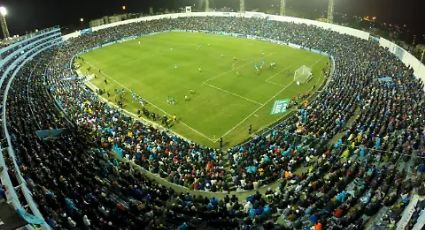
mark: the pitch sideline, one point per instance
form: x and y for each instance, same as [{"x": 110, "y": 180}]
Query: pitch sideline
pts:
[{"x": 157, "y": 107}]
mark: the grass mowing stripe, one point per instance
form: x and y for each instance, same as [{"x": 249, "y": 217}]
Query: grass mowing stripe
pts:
[
  {"x": 157, "y": 107},
  {"x": 174, "y": 64}
]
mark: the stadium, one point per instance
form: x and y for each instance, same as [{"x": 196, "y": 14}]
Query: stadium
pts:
[{"x": 211, "y": 120}]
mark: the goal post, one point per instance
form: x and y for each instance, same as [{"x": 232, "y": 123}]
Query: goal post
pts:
[{"x": 302, "y": 75}]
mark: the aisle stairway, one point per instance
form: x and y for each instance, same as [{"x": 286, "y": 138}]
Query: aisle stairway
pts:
[
  {"x": 420, "y": 222},
  {"x": 408, "y": 212}
]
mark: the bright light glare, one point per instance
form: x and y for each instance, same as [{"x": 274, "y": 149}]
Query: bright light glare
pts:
[
  {"x": 81, "y": 19},
  {"x": 3, "y": 11}
]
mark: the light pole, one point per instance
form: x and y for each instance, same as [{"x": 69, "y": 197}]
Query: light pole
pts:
[
  {"x": 207, "y": 5},
  {"x": 331, "y": 6},
  {"x": 282, "y": 7},
  {"x": 242, "y": 5},
  {"x": 3, "y": 13}
]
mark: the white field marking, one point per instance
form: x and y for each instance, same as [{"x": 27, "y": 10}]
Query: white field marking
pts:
[
  {"x": 155, "y": 124},
  {"x": 198, "y": 132},
  {"x": 280, "y": 71},
  {"x": 273, "y": 83},
  {"x": 233, "y": 65},
  {"x": 268, "y": 80},
  {"x": 233, "y": 69},
  {"x": 234, "y": 94},
  {"x": 157, "y": 107},
  {"x": 255, "y": 111}
]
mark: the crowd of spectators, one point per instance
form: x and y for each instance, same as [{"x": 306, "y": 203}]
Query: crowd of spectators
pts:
[{"x": 77, "y": 183}]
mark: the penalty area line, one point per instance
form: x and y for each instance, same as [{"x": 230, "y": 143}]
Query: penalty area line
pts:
[
  {"x": 233, "y": 94},
  {"x": 269, "y": 79},
  {"x": 256, "y": 110}
]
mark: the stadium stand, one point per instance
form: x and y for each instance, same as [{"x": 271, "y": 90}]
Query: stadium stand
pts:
[
  {"x": 333, "y": 172},
  {"x": 14, "y": 57}
]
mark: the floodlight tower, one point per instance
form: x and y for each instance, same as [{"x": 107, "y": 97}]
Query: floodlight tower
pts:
[
  {"x": 3, "y": 24},
  {"x": 242, "y": 5},
  {"x": 207, "y": 5},
  {"x": 331, "y": 6},
  {"x": 282, "y": 7}
]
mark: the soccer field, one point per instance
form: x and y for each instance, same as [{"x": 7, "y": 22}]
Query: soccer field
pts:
[{"x": 216, "y": 81}]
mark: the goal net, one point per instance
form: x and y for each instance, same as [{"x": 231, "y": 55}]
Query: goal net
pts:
[{"x": 302, "y": 75}]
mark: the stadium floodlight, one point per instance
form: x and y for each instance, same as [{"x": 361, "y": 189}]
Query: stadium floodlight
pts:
[
  {"x": 3, "y": 11},
  {"x": 282, "y": 7},
  {"x": 3, "y": 24},
  {"x": 242, "y": 6},
  {"x": 207, "y": 5},
  {"x": 423, "y": 55},
  {"x": 331, "y": 7}
]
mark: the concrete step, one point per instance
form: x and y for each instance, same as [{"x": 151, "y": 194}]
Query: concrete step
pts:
[
  {"x": 408, "y": 212},
  {"x": 420, "y": 223}
]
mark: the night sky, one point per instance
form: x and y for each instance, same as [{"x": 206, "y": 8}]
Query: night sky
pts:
[{"x": 27, "y": 15}]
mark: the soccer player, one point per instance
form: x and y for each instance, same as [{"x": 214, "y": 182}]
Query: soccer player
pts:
[
  {"x": 170, "y": 100},
  {"x": 186, "y": 98},
  {"x": 257, "y": 68}
]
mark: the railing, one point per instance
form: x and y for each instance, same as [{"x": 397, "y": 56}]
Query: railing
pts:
[
  {"x": 28, "y": 49},
  {"x": 27, "y": 38}
]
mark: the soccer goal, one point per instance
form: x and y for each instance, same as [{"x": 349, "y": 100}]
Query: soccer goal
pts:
[{"x": 302, "y": 75}]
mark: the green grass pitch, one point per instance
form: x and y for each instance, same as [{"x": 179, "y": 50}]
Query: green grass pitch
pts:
[{"x": 225, "y": 93}]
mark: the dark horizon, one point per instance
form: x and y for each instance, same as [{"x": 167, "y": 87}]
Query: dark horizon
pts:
[{"x": 28, "y": 15}]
